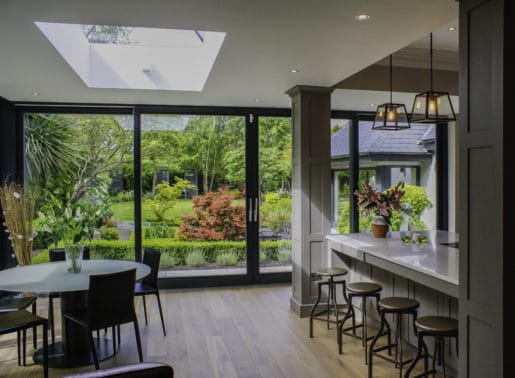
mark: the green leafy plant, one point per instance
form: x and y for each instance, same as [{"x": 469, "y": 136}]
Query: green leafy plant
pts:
[
  {"x": 167, "y": 196},
  {"x": 195, "y": 258},
  {"x": 160, "y": 230},
  {"x": 276, "y": 211},
  {"x": 227, "y": 258},
  {"x": 284, "y": 254},
  {"x": 109, "y": 233},
  {"x": 167, "y": 261},
  {"x": 263, "y": 258}
]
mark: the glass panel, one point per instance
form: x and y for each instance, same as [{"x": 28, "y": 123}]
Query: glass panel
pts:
[
  {"x": 275, "y": 138},
  {"x": 82, "y": 163},
  {"x": 340, "y": 174},
  {"x": 193, "y": 193},
  {"x": 408, "y": 156}
]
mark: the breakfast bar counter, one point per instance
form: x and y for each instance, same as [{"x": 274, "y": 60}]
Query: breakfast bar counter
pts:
[
  {"x": 426, "y": 271},
  {"x": 432, "y": 262}
]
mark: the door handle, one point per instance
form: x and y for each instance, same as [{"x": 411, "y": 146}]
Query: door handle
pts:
[
  {"x": 250, "y": 210},
  {"x": 256, "y": 208}
]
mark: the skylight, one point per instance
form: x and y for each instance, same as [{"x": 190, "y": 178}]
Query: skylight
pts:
[{"x": 125, "y": 57}]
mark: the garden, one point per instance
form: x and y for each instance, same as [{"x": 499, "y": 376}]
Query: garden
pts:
[{"x": 81, "y": 169}]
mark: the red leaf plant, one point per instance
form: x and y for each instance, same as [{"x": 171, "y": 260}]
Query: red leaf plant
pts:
[{"x": 380, "y": 203}]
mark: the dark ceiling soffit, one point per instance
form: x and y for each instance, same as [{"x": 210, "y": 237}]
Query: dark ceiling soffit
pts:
[{"x": 405, "y": 79}]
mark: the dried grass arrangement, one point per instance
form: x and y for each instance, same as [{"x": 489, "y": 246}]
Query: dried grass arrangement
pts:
[{"x": 18, "y": 211}]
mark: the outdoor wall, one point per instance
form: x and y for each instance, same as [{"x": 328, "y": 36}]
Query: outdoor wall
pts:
[
  {"x": 452, "y": 175},
  {"x": 428, "y": 180}
]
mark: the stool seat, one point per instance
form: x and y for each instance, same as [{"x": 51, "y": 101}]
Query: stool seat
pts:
[
  {"x": 398, "y": 304},
  {"x": 437, "y": 324},
  {"x": 332, "y": 272},
  {"x": 363, "y": 288}
]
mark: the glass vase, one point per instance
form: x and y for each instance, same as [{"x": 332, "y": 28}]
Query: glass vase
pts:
[{"x": 74, "y": 257}]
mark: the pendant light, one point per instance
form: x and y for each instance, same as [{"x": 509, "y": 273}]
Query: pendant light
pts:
[
  {"x": 391, "y": 116},
  {"x": 431, "y": 106}
]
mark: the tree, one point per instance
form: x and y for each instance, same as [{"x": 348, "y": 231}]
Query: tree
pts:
[
  {"x": 167, "y": 196},
  {"x": 215, "y": 218},
  {"x": 206, "y": 141},
  {"x": 50, "y": 151}
]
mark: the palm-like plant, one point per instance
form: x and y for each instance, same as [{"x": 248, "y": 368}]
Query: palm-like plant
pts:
[{"x": 49, "y": 149}]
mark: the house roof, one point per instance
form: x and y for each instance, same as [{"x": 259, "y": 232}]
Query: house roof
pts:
[{"x": 378, "y": 142}]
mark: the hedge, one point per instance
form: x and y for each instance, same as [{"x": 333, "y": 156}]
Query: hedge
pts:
[{"x": 124, "y": 249}]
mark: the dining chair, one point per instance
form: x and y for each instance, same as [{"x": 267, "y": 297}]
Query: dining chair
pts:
[
  {"x": 148, "y": 285},
  {"x": 20, "y": 321},
  {"x": 11, "y": 302},
  {"x": 58, "y": 254},
  {"x": 110, "y": 303}
]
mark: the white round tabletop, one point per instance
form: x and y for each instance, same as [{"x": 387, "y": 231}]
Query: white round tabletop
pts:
[{"x": 54, "y": 276}]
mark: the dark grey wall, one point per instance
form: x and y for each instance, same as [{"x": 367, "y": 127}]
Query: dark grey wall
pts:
[
  {"x": 486, "y": 163},
  {"x": 8, "y": 165}
]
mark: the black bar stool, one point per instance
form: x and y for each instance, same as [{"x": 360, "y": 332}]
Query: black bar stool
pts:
[
  {"x": 332, "y": 305},
  {"x": 361, "y": 290},
  {"x": 437, "y": 327},
  {"x": 398, "y": 306}
]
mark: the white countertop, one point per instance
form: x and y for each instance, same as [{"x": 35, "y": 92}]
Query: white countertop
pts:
[{"x": 421, "y": 263}]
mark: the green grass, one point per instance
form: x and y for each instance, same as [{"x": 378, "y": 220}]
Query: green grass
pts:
[{"x": 124, "y": 211}]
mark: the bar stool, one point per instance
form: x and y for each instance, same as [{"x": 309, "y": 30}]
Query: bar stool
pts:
[
  {"x": 332, "y": 305},
  {"x": 398, "y": 306},
  {"x": 437, "y": 327},
  {"x": 361, "y": 290}
]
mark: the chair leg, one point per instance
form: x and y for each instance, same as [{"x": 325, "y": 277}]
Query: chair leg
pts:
[
  {"x": 161, "y": 313},
  {"x": 113, "y": 330},
  {"x": 35, "y": 328},
  {"x": 145, "y": 309},
  {"x": 51, "y": 318},
  {"x": 313, "y": 310},
  {"x": 24, "y": 346},
  {"x": 416, "y": 358},
  {"x": 138, "y": 339},
  {"x": 93, "y": 349},
  {"x": 45, "y": 351},
  {"x": 373, "y": 343},
  {"x": 119, "y": 338},
  {"x": 18, "y": 336}
]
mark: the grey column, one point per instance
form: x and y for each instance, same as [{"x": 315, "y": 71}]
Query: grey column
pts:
[{"x": 311, "y": 113}]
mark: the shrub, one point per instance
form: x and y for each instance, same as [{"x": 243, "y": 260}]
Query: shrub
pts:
[
  {"x": 167, "y": 196},
  {"x": 227, "y": 258},
  {"x": 109, "y": 233},
  {"x": 276, "y": 211},
  {"x": 195, "y": 258},
  {"x": 167, "y": 261},
  {"x": 160, "y": 230},
  {"x": 284, "y": 256},
  {"x": 263, "y": 258},
  {"x": 214, "y": 218}
]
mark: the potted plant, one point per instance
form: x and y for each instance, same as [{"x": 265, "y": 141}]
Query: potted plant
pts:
[
  {"x": 380, "y": 204},
  {"x": 18, "y": 211}
]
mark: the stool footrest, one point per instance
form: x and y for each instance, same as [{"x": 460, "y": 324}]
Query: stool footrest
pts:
[{"x": 387, "y": 358}]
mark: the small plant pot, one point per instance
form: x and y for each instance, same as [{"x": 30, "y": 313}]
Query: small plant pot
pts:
[{"x": 379, "y": 230}]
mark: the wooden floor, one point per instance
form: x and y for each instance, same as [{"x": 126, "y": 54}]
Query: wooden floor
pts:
[{"x": 224, "y": 332}]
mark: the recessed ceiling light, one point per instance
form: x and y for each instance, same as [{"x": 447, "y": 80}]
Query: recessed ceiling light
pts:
[
  {"x": 372, "y": 104},
  {"x": 294, "y": 70},
  {"x": 452, "y": 28},
  {"x": 35, "y": 93},
  {"x": 362, "y": 17},
  {"x": 257, "y": 100}
]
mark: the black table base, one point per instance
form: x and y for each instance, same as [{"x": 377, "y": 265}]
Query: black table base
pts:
[{"x": 57, "y": 359}]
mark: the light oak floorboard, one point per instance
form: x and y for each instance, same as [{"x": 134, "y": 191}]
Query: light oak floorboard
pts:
[{"x": 242, "y": 332}]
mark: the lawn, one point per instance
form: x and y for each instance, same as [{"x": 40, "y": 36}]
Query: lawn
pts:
[{"x": 124, "y": 211}]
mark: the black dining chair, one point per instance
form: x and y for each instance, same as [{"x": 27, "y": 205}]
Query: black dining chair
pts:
[
  {"x": 20, "y": 321},
  {"x": 11, "y": 302},
  {"x": 110, "y": 303},
  {"x": 148, "y": 285},
  {"x": 58, "y": 254}
]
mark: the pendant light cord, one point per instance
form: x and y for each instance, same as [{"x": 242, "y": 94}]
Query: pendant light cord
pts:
[
  {"x": 431, "y": 58},
  {"x": 391, "y": 80}
]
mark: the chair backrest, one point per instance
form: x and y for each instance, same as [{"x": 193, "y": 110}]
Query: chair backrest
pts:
[
  {"x": 58, "y": 254},
  {"x": 151, "y": 257},
  {"x": 111, "y": 299}
]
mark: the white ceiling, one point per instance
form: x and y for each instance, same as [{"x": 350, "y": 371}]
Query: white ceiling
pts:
[{"x": 265, "y": 39}]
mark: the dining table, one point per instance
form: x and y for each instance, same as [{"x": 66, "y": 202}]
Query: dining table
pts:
[{"x": 72, "y": 350}]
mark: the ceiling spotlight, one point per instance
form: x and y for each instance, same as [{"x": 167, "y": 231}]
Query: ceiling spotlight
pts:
[
  {"x": 372, "y": 104},
  {"x": 294, "y": 70},
  {"x": 257, "y": 100},
  {"x": 35, "y": 93},
  {"x": 362, "y": 17},
  {"x": 452, "y": 28}
]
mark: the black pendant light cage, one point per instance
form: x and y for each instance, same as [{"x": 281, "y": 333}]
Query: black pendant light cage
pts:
[
  {"x": 432, "y": 106},
  {"x": 390, "y": 116}
]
